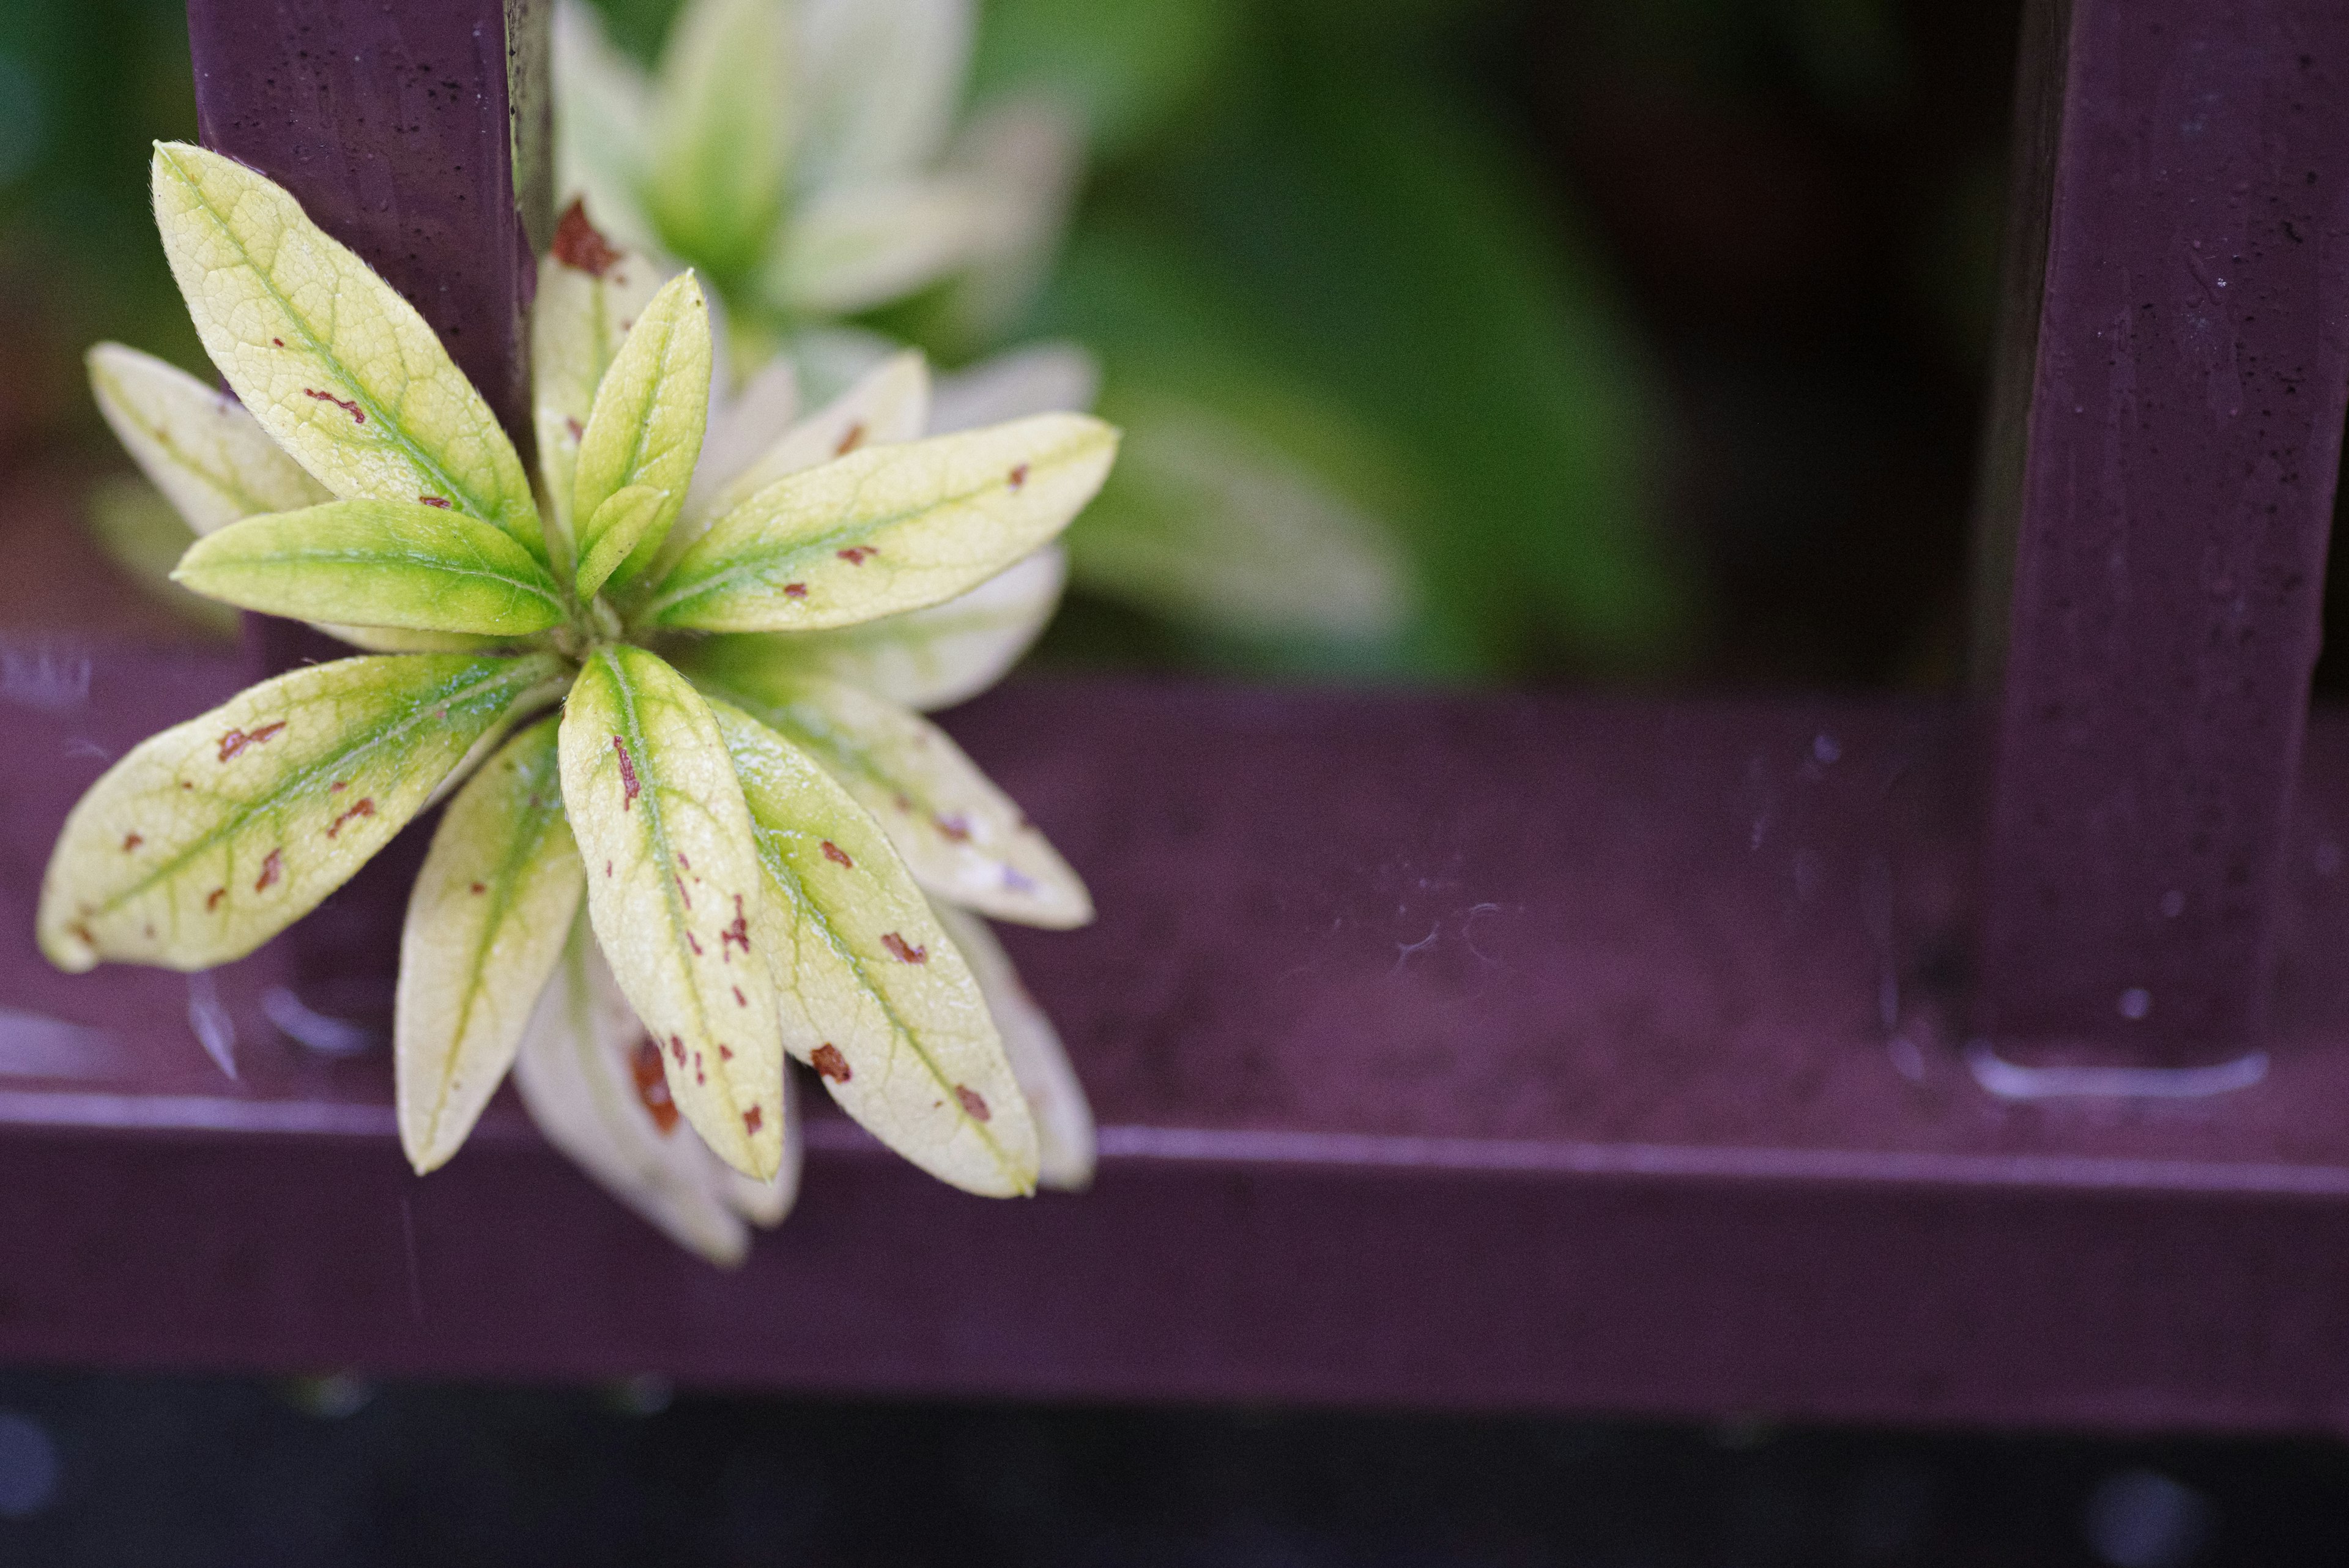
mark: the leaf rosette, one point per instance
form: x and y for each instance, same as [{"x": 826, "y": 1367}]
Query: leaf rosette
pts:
[{"x": 695, "y": 826}]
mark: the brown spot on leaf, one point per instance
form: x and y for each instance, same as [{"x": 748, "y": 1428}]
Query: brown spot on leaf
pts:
[
  {"x": 828, "y": 1061},
  {"x": 752, "y": 1119},
  {"x": 272, "y": 865},
  {"x": 739, "y": 932},
  {"x": 680, "y": 889},
  {"x": 1018, "y": 477},
  {"x": 676, "y": 1048},
  {"x": 694, "y": 942},
  {"x": 627, "y": 774},
  {"x": 903, "y": 951},
  {"x": 857, "y": 555},
  {"x": 577, "y": 430},
  {"x": 131, "y": 841},
  {"x": 835, "y": 854},
  {"x": 212, "y": 899},
  {"x": 794, "y": 590},
  {"x": 359, "y": 415},
  {"x": 726, "y": 1053},
  {"x": 652, "y": 1085},
  {"x": 579, "y": 245},
  {"x": 280, "y": 342},
  {"x": 439, "y": 500},
  {"x": 365, "y": 808},
  {"x": 973, "y": 1103},
  {"x": 851, "y": 441},
  {"x": 235, "y": 740},
  {"x": 338, "y": 786},
  {"x": 955, "y": 827},
  {"x": 479, "y": 889}
]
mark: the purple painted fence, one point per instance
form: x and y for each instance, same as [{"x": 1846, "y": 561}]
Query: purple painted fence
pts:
[
  {"x": 1494, "y": 1052},
  {"x": 2163, "y": 521}
]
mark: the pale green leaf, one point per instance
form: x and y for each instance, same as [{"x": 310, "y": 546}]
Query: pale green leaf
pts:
[
  {"x": 145, "y": 536},
  {"x": 1065, "y": 1141},
  {"x": 887, "y": 404},
  {"x": 743, "y": 424},
  {"x": 602, "y": 124},
  {"x": 210, "y": 837},
  {"x": 963, "y": 838},
  {"x": 1030, "y": 155},
  {"x": 588, "y": 296},
  {"x": 923, "y": 659},
  {"x": 591, "y": 1078},
  {"x": 721, "y": 134},
  {"x": 485, "y": 925},
  {"x": 1211, "y": 522},
  {"x": 209, "y": 457},
  {"x": 338, "y": 369},
  {"x": 675, "y": 888},
  {"x": 860, "y": 246},
  {"x": 378, "y": 562},
  {"x": 627, "y": 519},
  {"x": 645, "y": 431},
  {"x": 873, "y": 993},
  {"x": 1042, "y": 379},
  {"x": 884, "y": 77},
  {"x": 887, "y": 529}
]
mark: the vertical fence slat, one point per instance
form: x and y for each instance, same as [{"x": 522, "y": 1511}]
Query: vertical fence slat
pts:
[
  {"x": 2169, "y": 518},
  {"x": 397, "y": 127},
  {"x": 418, "y": 133}
]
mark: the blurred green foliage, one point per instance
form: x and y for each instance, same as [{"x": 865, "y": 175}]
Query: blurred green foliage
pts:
[
  {"x": 84, "y": 88},
  {"x": 1298, "y": 224}
]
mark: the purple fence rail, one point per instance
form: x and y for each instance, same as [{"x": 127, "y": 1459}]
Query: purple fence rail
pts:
[{"x": 1494, "y": 1052}]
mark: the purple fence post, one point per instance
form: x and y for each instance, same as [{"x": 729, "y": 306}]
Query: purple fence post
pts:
[
  {"x": 419, "y": 135},
  {"x": 2157, "y": 491}
]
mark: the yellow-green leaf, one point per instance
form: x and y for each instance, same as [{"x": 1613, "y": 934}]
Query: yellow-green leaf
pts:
[
  {"x": 963, "y": 839},
  {"x": 1065, "y": 1141},
  {"x": 675, "y": 888},
  {"x": 209, "y": 457},
  {"x": 874, "y": 995},
  {"x": 337, "y": 367},
  {"x": 721, "y": 133},
  {"x": 627, "y": 519},
  {"x": 210, "y": 837},
  {"x": 217, "y": 465},
  {"x": 378, "y": 562},
  {"x": 887, "y": 529},
  {"x": 591, "y": 1078},
  {"x": 485, "y": 925},
  {"x": 924, "y": 658},
  {"x": 645, "y": 431},
  {"x": 588, "y": 296},
  {"x": 887, "y": 404}
]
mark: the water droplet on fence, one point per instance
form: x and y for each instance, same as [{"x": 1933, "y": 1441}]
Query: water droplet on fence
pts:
[
  {"x": 2142, "y": 1519},
  {"x": 29, "y": 1471},
  {"x": 2135, "y": 1002}
]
